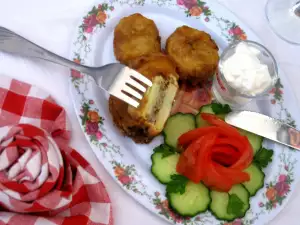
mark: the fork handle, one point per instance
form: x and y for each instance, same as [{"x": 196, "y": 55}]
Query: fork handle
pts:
[{"x": 14, "y": 43}]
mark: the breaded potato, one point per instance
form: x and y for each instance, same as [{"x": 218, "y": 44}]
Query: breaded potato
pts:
[
  {"x": 142, "y": 124},
  {"x": 153, "y": 65},
  {"x": 194, "y": 52},
  {"x": 125, "y": 123},
  {"x": 135, "y": 36}
]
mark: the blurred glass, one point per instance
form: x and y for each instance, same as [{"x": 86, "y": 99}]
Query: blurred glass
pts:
[{"x": 284, "y": 19}]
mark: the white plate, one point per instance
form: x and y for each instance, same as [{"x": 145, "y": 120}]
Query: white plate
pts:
[{"x": 129, "y": 163}]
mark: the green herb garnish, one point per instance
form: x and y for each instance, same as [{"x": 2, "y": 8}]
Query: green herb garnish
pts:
[
  {"x": 263, "y": 157},
  {"x": 165, "y": 150},
  {"x": 220, "y": 109},
  {"x": 177, "y": 184},
  {"x": 235, "y": 205}
]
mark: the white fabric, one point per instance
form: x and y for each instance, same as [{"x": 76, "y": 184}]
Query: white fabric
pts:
[{"x": 52, "y": 25}]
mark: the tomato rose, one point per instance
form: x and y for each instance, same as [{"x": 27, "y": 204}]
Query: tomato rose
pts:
[{"x": 215, "y": 155}]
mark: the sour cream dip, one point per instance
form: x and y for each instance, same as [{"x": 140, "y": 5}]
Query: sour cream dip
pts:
[{"x": 245, "y": 72}]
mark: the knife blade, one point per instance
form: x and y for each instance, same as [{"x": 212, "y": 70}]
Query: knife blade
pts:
[{"x": 265, "y": 126}]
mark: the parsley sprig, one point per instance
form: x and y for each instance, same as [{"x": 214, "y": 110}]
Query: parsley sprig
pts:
[
  {"x": 220, "y": 109},
  {"x": 177, "y": 184},
  {"x": 165, "y": 150},
  {"x": 263, "y": 157},
  {"x": 235, "y": 205}
]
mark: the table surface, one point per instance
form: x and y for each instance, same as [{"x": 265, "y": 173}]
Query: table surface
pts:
[{"x": 52, "y": 25}]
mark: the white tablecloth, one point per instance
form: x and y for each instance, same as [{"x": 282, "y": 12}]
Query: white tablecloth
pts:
[{"x": 52, "y": 24}]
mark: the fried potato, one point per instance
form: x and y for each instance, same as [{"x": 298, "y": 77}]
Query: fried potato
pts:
[
  {"x": 194, "y": 52},
  {"x": 142, "y": 124},
  {"x": 135, "y": 36}
]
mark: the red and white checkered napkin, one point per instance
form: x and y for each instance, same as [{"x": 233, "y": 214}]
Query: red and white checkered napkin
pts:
[{"x": 42, "y": 180}]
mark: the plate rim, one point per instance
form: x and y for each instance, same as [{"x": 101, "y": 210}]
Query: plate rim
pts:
[{"x": 132, "y": 194}]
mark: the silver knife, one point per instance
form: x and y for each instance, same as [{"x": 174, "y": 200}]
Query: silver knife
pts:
[{"x": 265, "y": 126}]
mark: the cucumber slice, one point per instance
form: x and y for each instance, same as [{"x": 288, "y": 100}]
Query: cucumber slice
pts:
[
  {"x": 206, "y": 109},
  {"x": 193, "y": 201},
  {"x": 177, "y": 125},
  {"x": 256, "y": 181},
  {"x": 220, "y": 201},
  {"x": 218, "y": 206},
  {"x": 163, "y": 167},
  {"x": 243, "y": 194},
  {"x": 255, "y": 140}
]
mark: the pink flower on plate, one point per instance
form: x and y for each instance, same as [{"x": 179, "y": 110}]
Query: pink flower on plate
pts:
[
  {"x": 237, "y": 222},
  {"x": 76, "y": 74},
  {"x": 91, "y": 102},
  {"x": 282, "y": 178},
  {"x": 89, "y": 23},
  {"x": 124, "y": 179},
  {"x": 187, "y": 3},
  {"x": 180, "y": 2},
  {"x": 99, "y": 135},
  {"x": 237, "y": 31},
  {"x": 91, "y": 127},
  {"x": 157, "y": 194},
  {"x": 273, "y": 101},
  {"x": 206, "y": 19},
  {"x": 88, "y": 30},
  {"x": 261, "y": 204},
  {"x": 272, "y": 91},
  {"x": 282, "y": 188},
  {"x": 230, "y": 31}
]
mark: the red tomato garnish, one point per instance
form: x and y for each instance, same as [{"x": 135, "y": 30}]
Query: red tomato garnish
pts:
[
  {"x": 215, "y": 155},
  {"x": 225, "y": 155},
  {"x": 215, "y": 179},
  {"x": 214, "y": 120},
  {"x": 192, "y": 135}
]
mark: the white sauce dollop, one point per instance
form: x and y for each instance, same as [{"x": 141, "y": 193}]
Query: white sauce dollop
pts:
[{"x": 244, "y": 71}]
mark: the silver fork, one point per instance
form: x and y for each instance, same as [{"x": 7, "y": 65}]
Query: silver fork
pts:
[{"x": 117, "y": 79}]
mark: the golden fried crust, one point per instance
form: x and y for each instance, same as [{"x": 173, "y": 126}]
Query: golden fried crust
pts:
[
  {"x": 130, "y": 127},
  {"x": 135, "y": 36},
  {"x": 153, "y": 65},
  {"x": 194, "y": 52},
  {"x": 129, "y": 124}
]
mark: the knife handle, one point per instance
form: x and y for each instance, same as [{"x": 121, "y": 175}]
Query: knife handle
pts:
[
  {"x": 288, "y": 135},
  {"x": 294, "y": 137}
]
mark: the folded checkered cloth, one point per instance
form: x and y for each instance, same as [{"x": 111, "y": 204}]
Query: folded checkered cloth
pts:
[{"x": 42, "y": 180}]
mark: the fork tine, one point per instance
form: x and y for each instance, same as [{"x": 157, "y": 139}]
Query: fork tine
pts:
[
  {"x": 136, "y": 84},
  {"x": 130, "y": 91},
  {"x": 127, "y": 99},
  {"x": 141, "y": 78}
]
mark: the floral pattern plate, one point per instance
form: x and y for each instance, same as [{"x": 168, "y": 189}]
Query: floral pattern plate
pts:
[{"x": 129, "y": 163}]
